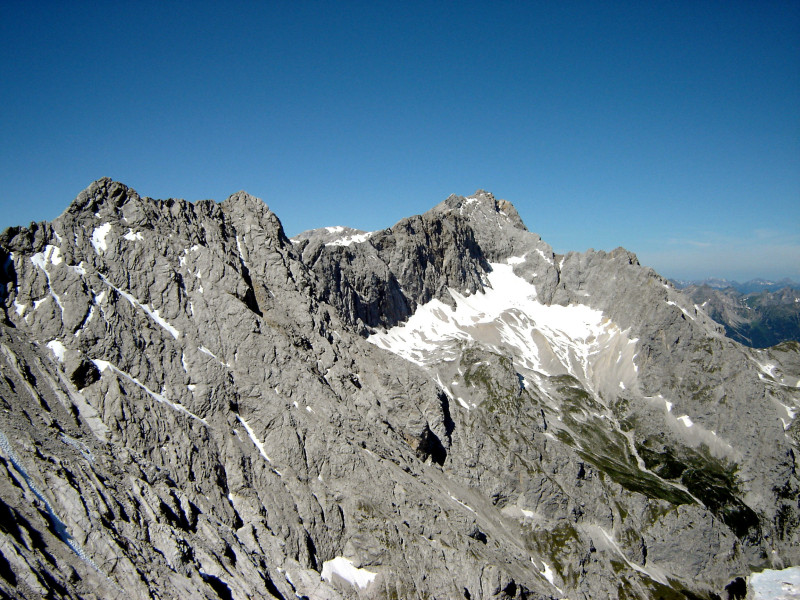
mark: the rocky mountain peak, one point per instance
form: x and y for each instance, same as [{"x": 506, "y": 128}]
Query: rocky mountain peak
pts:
[
  {"x": 252, "y": 216},
  {"x": 101, "y": 193},
  {"x": 483, "y": 209}
]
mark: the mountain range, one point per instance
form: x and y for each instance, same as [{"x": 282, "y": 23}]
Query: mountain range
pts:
[
  {"x": 196, "y": 406},
  {"x": 749, "y": 287},
  {"x": 756, "y": 319}
]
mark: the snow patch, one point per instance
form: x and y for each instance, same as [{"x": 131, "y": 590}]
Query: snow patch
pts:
[
  {"x": 344, "y": 568},
  {"x": 58, "y": 349},
  {"x": 356, "y": 238},
  {"x": 52, "y": 255},
  {"x": 776, "y": 584},
  {"x": 507, "y": 316},
  {"x": 99, "y": 237},
  {"x": 133, "y": 235},
  {"x": 547, "y": 573},
  {"x": 686, "y": 420},
  {"x": 549, "y": 259},
  {"x": 768, "y": 368}
]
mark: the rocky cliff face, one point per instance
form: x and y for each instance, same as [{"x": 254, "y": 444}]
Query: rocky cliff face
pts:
[{"x": 196, "y": 406}]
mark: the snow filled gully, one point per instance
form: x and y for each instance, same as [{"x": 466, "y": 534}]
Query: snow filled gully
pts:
[
  {"x": 547, "y": 339},
  {"x": 59, "y": 527}
]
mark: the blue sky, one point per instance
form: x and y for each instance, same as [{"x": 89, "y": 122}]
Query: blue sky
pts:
[{"x": 669, "y": 128}]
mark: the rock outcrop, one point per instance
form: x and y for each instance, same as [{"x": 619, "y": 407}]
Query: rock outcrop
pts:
[{"x": 196, "y": 406}]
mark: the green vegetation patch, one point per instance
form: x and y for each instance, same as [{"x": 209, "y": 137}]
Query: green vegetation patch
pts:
[
  {"x": 560, "y": 544},
  {"x": 496, "y": 380},
  {"x": 603, "y": 446},
  {"x": 711, "y": 480}
]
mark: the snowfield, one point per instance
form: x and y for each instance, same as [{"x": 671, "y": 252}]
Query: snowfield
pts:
[{"x": 508, "y": 318}]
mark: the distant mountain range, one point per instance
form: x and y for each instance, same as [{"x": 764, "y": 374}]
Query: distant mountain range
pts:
[
  {"x": 758, "y": 319},
  {"x": 748, "y": 287}
]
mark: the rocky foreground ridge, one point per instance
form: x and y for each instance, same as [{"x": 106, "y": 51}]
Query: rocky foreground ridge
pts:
[{"x": 194, "y": 405}]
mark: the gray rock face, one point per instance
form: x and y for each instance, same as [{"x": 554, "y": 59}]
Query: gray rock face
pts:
[{"x": 196, "y": 406}]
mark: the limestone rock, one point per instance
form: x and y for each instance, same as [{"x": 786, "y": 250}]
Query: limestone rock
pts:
[{"x": 196, "y": 406}]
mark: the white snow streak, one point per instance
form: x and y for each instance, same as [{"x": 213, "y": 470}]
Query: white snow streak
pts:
[
  {"x": 653, "y": 572},
  {"x": 469, "y": 508},
  {"x": 253, "y": 437},
  {"x": 544, "y": 256},
  {"x": 153, "y": 314},
  {"x": 133, "y": 235},
  {"x": 547, "y": 573},
  {"x": 686, "y": 312},
  {"x": 205, "y": 350},
  {"x": 104, "y": 364},
  {"x": 52, "y": 255}
]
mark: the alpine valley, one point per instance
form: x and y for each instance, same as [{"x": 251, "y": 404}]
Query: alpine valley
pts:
[{"x": 195, "y": 406}]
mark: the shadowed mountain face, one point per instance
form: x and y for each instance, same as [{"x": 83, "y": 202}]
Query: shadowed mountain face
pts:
[
  {"x": 196, "y": 406},
  {"x": 755, "y": 319}
]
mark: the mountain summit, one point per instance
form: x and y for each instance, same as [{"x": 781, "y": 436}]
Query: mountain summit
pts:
[{"x": 195, "y": 405}]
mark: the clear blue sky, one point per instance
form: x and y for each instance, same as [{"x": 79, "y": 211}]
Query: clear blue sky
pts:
[{"x": 669, "y": 128}]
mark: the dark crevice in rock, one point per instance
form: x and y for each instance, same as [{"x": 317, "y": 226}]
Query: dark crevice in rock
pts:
[
  {"x": 220, "y": 587},
  {"x": 249, "y": 298},
  {"x": 270, "y": 585},
  {"x": 431, "y": 447},
  {"x": 447, "y": 419},
  {"x": 6, "y": 572}
]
